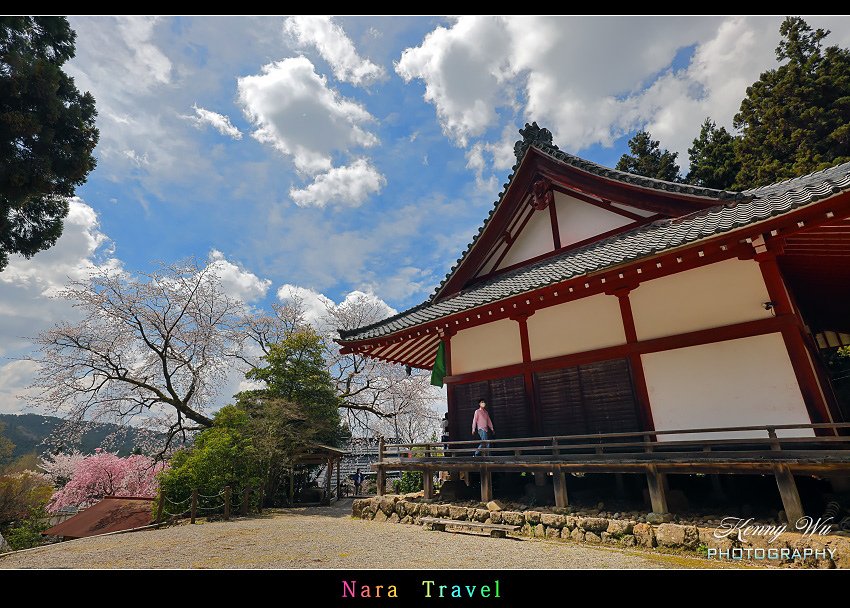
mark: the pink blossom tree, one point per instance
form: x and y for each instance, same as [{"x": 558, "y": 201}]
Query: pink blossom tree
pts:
[{"x": 106, "y": 474}]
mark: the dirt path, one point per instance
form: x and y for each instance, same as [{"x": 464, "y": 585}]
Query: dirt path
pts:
[{"x": 327, "y": 538}]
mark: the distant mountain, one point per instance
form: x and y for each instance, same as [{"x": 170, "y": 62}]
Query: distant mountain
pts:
[{"x": 28, "y": 432}]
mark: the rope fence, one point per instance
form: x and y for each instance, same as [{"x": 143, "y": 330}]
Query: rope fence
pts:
[{"x": 226, "y": 506}]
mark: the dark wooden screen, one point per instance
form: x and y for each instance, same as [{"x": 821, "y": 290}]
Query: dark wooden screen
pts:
[
  {"x": 506, "y": 405},
  {"x": 558, "y": 395},
  {"x": 590, "y": 398},
  {"x": 465, "y": 398},
  {"x": 608, "y": 398},
  {"x": 508, "y": 408}
]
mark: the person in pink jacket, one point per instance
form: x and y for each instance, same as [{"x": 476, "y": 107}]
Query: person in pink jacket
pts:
[{"x": 482, "y": 424}]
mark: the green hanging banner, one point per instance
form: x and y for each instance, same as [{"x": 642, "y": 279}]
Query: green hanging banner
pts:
[{"x": 439, "y": 371}]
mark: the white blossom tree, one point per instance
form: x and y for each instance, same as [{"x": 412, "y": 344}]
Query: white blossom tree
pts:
[{"x": 154, "y": 348}]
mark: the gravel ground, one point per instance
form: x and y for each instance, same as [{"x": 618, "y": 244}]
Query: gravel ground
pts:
[{"x": 328, "y": 538}]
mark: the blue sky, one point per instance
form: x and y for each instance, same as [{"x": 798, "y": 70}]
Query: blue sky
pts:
[{"x": 353, "y": 153}]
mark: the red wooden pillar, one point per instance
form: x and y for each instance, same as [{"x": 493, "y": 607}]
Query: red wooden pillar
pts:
[
  {"x": 447, "y": 341},
  {"x": 801, "y": 361},
  {"x": 522, "y": 320},
  {"x": 641, "y": 392}
]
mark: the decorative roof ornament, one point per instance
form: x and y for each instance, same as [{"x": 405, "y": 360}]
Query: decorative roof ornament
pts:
[
  {"x": 541, "y": 194},
  {"x": 532, "y": 134}
]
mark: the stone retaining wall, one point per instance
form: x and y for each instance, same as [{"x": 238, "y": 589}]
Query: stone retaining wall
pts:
[{"x": 789, "y": 549}]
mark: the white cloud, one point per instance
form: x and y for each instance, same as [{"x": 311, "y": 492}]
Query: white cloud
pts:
[
  {"x": 475, "y": 161},
  {"x": 238, "y": 282},
  {"x": 316, "y": 305},
  {"x": 348, "y": 185},
  {"x": 335, "y": 48},
  {"x": 463, "y": 68},
  {"x": 26, "y": 289},
  {"x": 220, "y": 122},
  {"x": 295, "y": 111},
  {"x": 574, "y": 76},
  {"x": 73, "y": 256}
]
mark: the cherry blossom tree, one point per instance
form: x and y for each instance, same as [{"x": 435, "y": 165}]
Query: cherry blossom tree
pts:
[
  {"x": 153, "y": 349},
  {"x": 60, "y": 467},
  {"x": 106, "y": 474}
]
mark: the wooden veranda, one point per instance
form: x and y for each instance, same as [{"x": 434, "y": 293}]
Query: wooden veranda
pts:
[{"x": 776, "y": 450}]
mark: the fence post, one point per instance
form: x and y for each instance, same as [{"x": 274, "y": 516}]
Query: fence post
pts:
[
  {"x": 194, "y": 504},
  {"x": 245, "y": 502},
  {"x": 226, "y": 502},
  {"x": 159, "y": 508},
  {"x": 382, "y": 474}
]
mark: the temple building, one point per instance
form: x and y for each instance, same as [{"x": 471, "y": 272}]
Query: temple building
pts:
[{"x": 593, "y": 301}]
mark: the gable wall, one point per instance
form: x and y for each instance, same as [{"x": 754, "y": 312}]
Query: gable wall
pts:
[
  {"x": 535, "y": 239},
  {"x": 578, "y": 221}
]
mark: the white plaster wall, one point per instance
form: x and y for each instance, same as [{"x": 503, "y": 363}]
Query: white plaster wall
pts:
[
  {"x": 578, "y": 220},
  {"x": 486, "y": 346},
  {"x": 634, "y": 210},
  {"x": 534, "y": 239},
  {"x": 744, "y": 382},
  {"x": 716, "y": 295},
  {"x": 577, "y": 326},
  {"x": 493, "y": 259}
]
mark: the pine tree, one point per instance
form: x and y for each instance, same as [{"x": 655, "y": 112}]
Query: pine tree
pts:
[
  {"x": 47, "y": 133},
  {"x": 648, "y": 160},
  {"x": 796, "y": 118},
  {"x": 713, "y": 162}
]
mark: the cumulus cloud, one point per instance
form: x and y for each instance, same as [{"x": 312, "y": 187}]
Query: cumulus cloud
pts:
[
  {"x": 295, "y": 111},
  {"x": 335, "y": 48},
  {"x": 464, "y": 68},
  {"x": 238, "y": 282},
  {"x": 317, "y": 305},
  {"x": 26, "y": 289},
  {"x": 347, "y": 185},
  {"x": 560, "y": 72},
  {"x": 218, "y": 121},
  {"x": 81, "y": 247}
]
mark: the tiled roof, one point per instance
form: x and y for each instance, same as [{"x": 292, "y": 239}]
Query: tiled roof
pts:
[
  {"x": 541, "y": 139},
  {"x": 741, "y": 209}
]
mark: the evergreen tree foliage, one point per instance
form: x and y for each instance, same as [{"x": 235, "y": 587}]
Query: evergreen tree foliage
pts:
[
  {"x": 796, "y": 118},
  {"x": 648, "y": 159},
  {"x": 713, "y": 161},
  {"x": 256, "y": 441},
  {"x": 47, "y": 133}
]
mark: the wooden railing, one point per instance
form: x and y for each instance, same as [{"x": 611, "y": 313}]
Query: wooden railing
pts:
[{"x": 825, "y": 437}]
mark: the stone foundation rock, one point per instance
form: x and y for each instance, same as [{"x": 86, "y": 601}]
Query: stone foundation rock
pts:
[{"x": 788, "y": 549}]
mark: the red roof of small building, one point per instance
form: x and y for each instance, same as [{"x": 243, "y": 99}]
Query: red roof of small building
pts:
[{"x": 112, "y": 514}]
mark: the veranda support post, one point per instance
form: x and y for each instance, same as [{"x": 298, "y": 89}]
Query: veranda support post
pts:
[
  {"x": 486, "y": 485},
  {"x": 559, "y": 480},
  {"x": 657, "y": 494}
]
